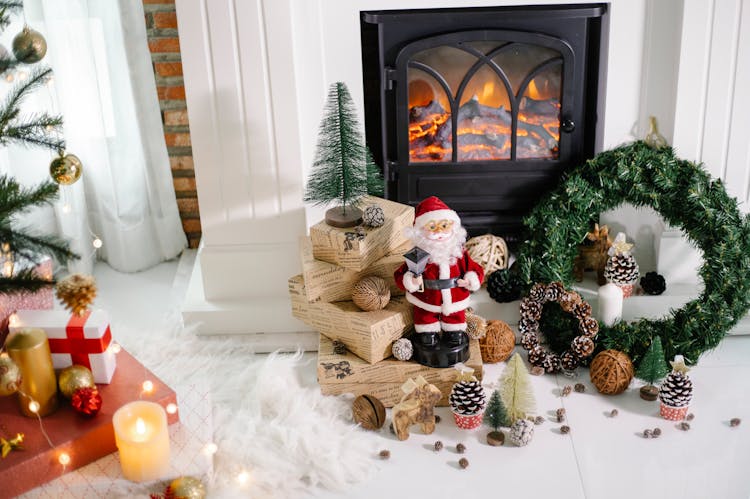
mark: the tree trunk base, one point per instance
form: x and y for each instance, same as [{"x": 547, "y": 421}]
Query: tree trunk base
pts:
[
  {"x": 496, "y": 438},
  {"x": 335, "y": 217},
  {"x": 649, "y": 392}
]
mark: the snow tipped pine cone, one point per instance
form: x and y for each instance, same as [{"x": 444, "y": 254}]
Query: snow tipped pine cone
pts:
[
  {"x": 554, "y": 291},
  {"x": 568, "y": 361},
  {"x": 526, "y": 325},
  {"x": 582, "y": 310},
  {"x": 589, "y": 327},
  {"x": 569, "y": 300},
  {"x": 536, "y": 356},
  {"x": 621, "y": 269},
  {"x": 530, "y": 309},
  {"x": 538, "y": 292},
  {"x": 583, "y": 346},
  {"x": 521, "y": 432},
  {"x": 529, "y": 341},
  {"x": 551, "y": 363},
  {"x": 676, "y": 390},
  {"x": 467, "y": 398}
]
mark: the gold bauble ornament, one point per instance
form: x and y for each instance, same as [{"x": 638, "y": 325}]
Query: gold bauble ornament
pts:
[
  {"x": 76, "y": 292},
  {"x": 74, "y": 377},
  {"x": 29, "y": 46},
  {"x": 66, "y": 169},
  {"x": 187, "y": 487},
  {"x": 10, "y": 376}
]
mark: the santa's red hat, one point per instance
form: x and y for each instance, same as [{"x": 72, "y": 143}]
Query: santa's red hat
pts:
[{"x": 432, "y": 208}]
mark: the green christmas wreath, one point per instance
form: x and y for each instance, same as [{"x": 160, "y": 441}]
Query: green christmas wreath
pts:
[{"x": 684, "y": 194}]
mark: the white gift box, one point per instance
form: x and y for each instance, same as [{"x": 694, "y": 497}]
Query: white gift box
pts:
[{"x": 83, "y": 340}]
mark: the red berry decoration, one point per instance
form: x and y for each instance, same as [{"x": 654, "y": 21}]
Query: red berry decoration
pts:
[{"x": 86, "y": 401}]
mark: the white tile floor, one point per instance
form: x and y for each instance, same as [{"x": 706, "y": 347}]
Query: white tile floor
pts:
[{"x": 602, "y": 457}]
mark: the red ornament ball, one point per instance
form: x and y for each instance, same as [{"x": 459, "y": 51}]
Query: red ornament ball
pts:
[{"x": 86, "y": 401}]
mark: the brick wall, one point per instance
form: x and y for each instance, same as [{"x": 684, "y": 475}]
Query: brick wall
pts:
[{"x": 161, "y": 29}]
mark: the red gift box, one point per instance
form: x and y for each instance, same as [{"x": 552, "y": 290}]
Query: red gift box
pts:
[
  {"x": 84, "y": 440},
  {"x": 84, "y": 340}
]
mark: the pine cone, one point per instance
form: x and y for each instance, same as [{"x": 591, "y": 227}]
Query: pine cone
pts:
[
  {"x": 521, "y": 432},
  {"x": 502, "y": 286},
  {"x": 529, "y": 341},
  {"x": 538, "y": 292},
  {"x": 467, "y": 398},
  {"x": 536, "y": 356},
  {"x": 476, "y": 326},
  {"x": 653, "y": 283},
  {"x": 589, "y": 327},
  {"x": 551, "y": 363},
  {"x": 569, "y": 300},
  {"x": 77, "y": 292},
  {"x": 621, "y": 269},
  {"x": 583, "y": 346},
  {"x": 554, "y": 291},
  {"x": 531, "y": 309},
  {"x": 568, "y": 360},
  {"x": 582, "y": 310},
  {"x": 676, "y": 390},
  {"x": 528, "y": 326}
]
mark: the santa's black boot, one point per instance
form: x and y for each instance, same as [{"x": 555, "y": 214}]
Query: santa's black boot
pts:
[
  {"x": 427, "y": 340},
  {"x": 455, "y": 338}
]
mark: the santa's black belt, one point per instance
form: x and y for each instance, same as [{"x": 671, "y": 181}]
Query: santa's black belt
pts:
[{"x": 441, "y": 283}]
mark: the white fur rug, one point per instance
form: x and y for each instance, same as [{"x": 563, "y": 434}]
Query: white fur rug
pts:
[{"x": 286, "y": 436}]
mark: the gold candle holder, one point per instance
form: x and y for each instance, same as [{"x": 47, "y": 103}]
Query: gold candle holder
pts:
[{"x": 29, "y": 349}]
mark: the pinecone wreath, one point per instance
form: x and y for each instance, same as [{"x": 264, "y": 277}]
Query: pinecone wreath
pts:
[
  {"x": 77, "y": 292},
  {"x": 503, "y": 286},
  {"x": 467, "y": 398},
  {"x": 621, "y": 268}
]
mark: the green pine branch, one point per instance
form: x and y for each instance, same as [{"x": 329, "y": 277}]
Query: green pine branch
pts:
[
  {"x": 6, "y": 7},
  {"x": 30, "y": 247},
  {"x": 15, "y": 199},
  {"x": 24, "y": 281}
]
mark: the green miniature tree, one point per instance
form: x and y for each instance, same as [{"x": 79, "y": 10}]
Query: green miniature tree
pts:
[
  {"x": 496, "y": 415},
  {"x": 652, "y": 369},
  {"x": 515, "y": 389},
  {"x": 343, "y": 170}
]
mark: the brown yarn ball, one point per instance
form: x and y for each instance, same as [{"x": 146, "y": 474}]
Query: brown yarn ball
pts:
[
  {"x": 498, "y": 342},
  {"x": 489, "y": 251},
  {"x": 611, "y": 372},
  {"x": 371, "y": 293},
  {"x": 476, "y": 326}
]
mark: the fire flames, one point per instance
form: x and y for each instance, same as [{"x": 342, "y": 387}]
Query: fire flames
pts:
[{"x": 484, "y": 123}]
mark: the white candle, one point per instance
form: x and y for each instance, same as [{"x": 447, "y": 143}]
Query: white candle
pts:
[
  {"x": 610, "y": 304},
  {"x": 142, "y": 440}
]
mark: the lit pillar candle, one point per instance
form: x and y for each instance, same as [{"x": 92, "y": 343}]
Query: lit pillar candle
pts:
[
  {"x": 610, "y": 304},
  {"x": 29, "y": 348},
  {"x": 142, "y": 440}
]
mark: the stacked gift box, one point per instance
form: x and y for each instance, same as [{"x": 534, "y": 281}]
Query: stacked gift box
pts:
[{"x": 333, "y": 261}]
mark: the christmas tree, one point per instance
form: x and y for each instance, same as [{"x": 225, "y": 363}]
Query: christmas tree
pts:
[
  {"x": 343, "y": 170},
  {"x": 515, "y": 389},
  {"x": 19, "y": 243},
  {"x": 495, "y": 415},
  {"x": 652, "y": 368}
]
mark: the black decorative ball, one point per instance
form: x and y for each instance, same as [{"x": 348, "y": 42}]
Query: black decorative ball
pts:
[
  {"x": 653, "y": 283},
  {"x": 503, "y": 286}
]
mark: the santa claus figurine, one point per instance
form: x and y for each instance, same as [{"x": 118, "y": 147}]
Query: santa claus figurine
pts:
[{"x": 441, "y": 293}]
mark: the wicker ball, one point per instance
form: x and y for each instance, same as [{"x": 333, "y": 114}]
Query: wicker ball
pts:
[
  {"x": 402, "y": 349},
  {"x": 489, "y": 251},
  {"x": 611, "y": 372},
  {"x": 498, "y": 342},
  {"x": 476, "y": 326},
  {"x": 373, "y": 216},
  {"x": 369, "y": 412},
  {"x": 371, "y": 293}
]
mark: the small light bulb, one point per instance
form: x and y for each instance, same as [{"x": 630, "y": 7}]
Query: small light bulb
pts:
[
  {"x": 22, "y": 75},
  {"x": 9, "y": 77},
  {"x": 148, "y": 386},
  {"x": 67, "y": 208},
  {"x": 34, "y": 406},
  {"x": 97, "y": 243},
  {"x": 243, "y": 477},
  {"x": 64, "y": 459},
  {"x": 50, "y": 81},
  {"x": 116, "y": 348},
  {"x": 13, "y": 320},
  {"x": 171, "y": 408},
  {"x": 210, "y": 449}
]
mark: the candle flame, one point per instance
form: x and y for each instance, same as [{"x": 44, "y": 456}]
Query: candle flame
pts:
[{"x": 140, "y": 427}]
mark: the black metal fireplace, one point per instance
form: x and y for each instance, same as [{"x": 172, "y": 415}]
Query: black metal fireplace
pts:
[{"x": 485, "y": 108}]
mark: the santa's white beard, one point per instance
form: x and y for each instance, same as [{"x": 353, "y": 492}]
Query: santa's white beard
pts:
[{"x": 445, "y": 251}]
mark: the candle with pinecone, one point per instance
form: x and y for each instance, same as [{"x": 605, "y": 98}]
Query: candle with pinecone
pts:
[
  {"x": 467, "y": 399},
  {"x": 621, "y": 268},
  {"x": 676, "y": 391}
]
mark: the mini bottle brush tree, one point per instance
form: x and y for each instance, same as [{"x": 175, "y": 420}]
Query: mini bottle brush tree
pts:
[
  {"x": 652, "y": 369},
  {"x": 496, "y": 416},
  {"x": 343, "y": 171},
  {"x": 516, "y": 391},
  {"x": 17, "y": 242}
]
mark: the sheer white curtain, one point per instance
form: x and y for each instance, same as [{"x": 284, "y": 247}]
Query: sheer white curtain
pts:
[{"x": 104, "y": 87}]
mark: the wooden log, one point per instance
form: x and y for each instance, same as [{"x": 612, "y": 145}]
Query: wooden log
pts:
[
  {"x": 359, "y": 249},
  {"x": 348, "y": 373},
  {"x": 368, "y": 335},
  {"x": 328, "y": 282}
]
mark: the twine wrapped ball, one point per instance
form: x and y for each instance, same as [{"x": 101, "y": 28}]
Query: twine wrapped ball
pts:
[
  {"x": 402, "y": 349},
  {"x": 371, "y": 293},
  {"x": 476, "y": 326},
  {"x": 489, "y": 251},
  {"x": 611, "y": 372},
  {"x": 498, "y": 342}
]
